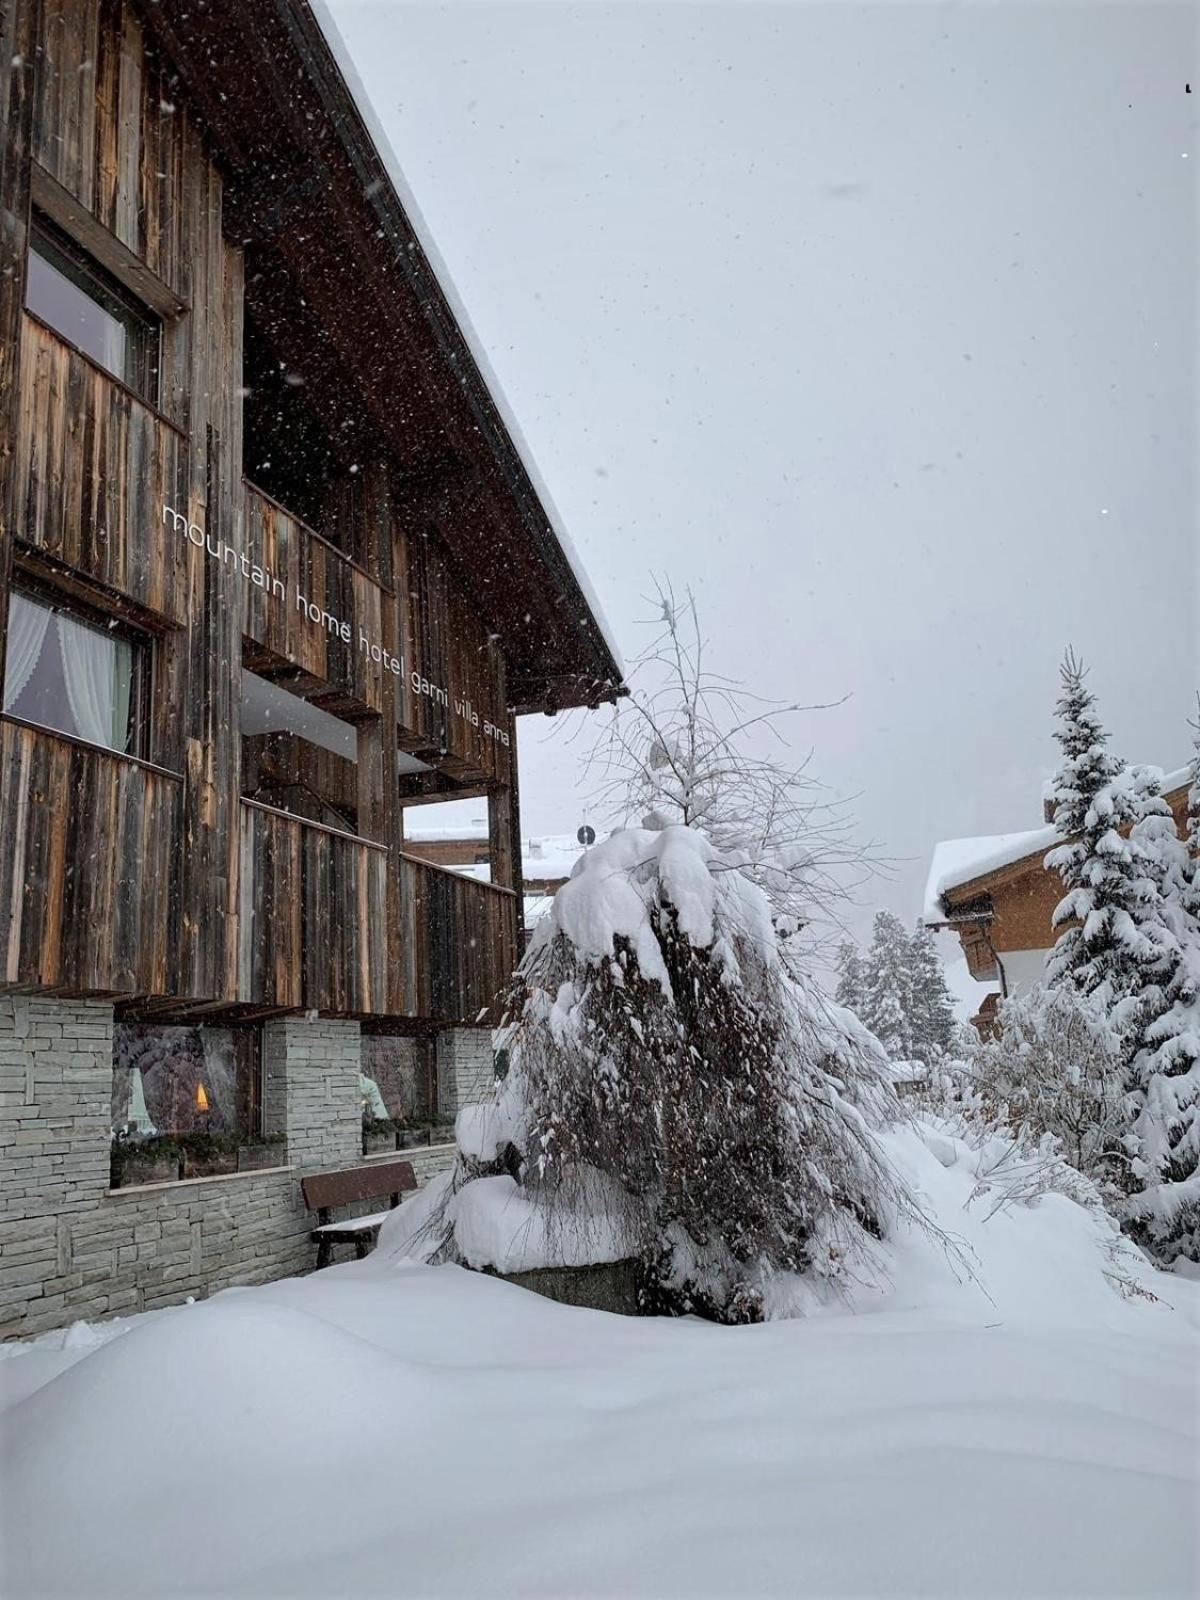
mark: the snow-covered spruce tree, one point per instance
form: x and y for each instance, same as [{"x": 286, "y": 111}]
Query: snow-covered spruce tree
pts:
[
  {"x": 897, "y": 988},
  {"x": 1163, "y": 1211},
  {"x": 933, "y": 1023},
  {"x": 852, "y": 977},
  {"x": 1115, "y": 943},
  {"x": 888, "y": 1005},
  {"x": 666, "y": 1069}
]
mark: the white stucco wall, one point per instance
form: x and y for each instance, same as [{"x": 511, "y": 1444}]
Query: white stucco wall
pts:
[{"x": 1023, "y": 969}]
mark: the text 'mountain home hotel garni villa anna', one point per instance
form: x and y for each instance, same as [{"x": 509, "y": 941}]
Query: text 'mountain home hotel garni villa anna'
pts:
[{"x": 275, "y": 568}]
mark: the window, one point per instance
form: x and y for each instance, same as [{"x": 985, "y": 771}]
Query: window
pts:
[
  {"x": 187, "y": 1102},
  {"x": 76, "y": 671},
  {"x": 398, "y": 1085},
  {"x": 67, "y": 290}
]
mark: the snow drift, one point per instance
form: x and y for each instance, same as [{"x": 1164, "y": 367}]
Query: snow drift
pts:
[{"x": 1027, "y": 1432}]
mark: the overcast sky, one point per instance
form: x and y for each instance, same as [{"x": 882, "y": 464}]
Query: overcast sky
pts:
[{"x": 875, "y": 325}]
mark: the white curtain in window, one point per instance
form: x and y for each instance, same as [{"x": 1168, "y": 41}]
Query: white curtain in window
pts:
[
  {"x": 90, "y": 668},
  {"x": 27, "y": 624}
]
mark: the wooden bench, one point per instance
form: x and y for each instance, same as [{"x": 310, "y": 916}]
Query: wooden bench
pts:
[{"x": 325, "y": 1190}]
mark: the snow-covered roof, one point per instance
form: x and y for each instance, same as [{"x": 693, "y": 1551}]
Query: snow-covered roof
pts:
[
  {"x": 341, "y": 54},
  {"x": 446, "y": 832},
  {"x": 552, "y": 856},
  {"x": 958, "y": 861},
  {"x": 542, "y": 856},
  {"x": 1176, "y": 780}
]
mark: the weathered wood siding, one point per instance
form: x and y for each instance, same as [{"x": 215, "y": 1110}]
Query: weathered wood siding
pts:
[
  {"x": 108, "y": 127},
  {"x": 447, "y": 644},
  {"x": 309, "y": 568},
  {"x": 313, "y": 929},
  {"x": 154, "y": 879},
  {"x": 470, "y": 932},
  {"x": 87, "y": 878},
  {"x": 93, "y": 469}
]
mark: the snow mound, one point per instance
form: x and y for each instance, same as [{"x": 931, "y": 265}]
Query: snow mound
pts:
[{"x": 497, "y": 1224}]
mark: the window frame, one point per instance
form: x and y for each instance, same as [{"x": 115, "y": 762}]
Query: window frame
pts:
[
  {"x": 248, "y": 1105},
  {"x": 143, "y": 325},
  {"x": 38, "y": 591}
]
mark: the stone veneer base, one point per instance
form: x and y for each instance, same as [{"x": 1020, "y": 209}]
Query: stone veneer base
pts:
[{"x": 72, "y": 1248}]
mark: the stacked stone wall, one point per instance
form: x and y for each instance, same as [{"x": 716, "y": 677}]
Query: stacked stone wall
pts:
[{"x": 71, "y": 1248}]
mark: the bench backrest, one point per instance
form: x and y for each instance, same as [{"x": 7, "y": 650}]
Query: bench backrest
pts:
[{"x": 323, "y": 1190}]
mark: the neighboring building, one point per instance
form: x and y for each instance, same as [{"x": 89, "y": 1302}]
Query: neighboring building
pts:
[
  {"x": 546, "y": 862},
  {"x": 998, "y": 897},
  {"x": 274, "y": 565}
]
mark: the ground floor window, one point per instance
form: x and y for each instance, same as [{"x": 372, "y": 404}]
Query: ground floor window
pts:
[
  {"x": 187, "y": 1102},
  {"x": 399, "y": 1093}
]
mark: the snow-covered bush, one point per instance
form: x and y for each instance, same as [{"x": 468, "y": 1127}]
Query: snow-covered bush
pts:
[
  {"x": 675, "y": 1094},
  {"x": 1054, "y": 1066}
]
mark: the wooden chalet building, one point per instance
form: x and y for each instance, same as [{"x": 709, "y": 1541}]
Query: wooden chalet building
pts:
[
  {"x": 997, "y": 895},
  {"x": 275, "y": 567}
]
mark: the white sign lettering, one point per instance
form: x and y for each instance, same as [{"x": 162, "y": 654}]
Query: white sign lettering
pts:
[{"x": 237, "y": 562}]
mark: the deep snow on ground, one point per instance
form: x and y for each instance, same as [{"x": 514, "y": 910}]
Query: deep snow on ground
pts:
[{"x": 388, "y": 1428}]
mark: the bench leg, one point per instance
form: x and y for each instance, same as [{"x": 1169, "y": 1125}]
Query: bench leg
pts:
[
  {"x": 362, "y": 1247},
  {"x": 324, "y": 1251}
]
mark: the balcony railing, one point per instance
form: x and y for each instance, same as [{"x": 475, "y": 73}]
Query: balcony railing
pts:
[
  {"x": 85, "y": 882},
  {"x": 313, "y": 607},
  {"x": 312, "y": 915},
  {"x": 459, "y": 942},
  {"x": 320, "y": 926}
]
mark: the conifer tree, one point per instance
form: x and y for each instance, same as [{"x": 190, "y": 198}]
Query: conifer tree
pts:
[
  {"x": 932, "y": 1002},
  {"x": 1115, "y": 944},
  {"x": 888, "y": 1001},
  {"x": 851, "y": 988},
  {"x": 1164, "y": 1209}
]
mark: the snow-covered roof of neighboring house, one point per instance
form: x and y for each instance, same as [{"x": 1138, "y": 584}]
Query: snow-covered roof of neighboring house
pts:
[
  {"x": 958, "y": 861},
  {"x": 543, "y": 856},
  {"x": 1168, "y": 781},
  {"x": 1176, "y": 780},
  {"x": 341, "y": 54},
  {"x": 472, "y": 828},
  {"x": 551, "y": 856}
]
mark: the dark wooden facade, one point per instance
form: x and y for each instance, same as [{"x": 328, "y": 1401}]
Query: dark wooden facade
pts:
[{"x": 211, "y": 160}]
